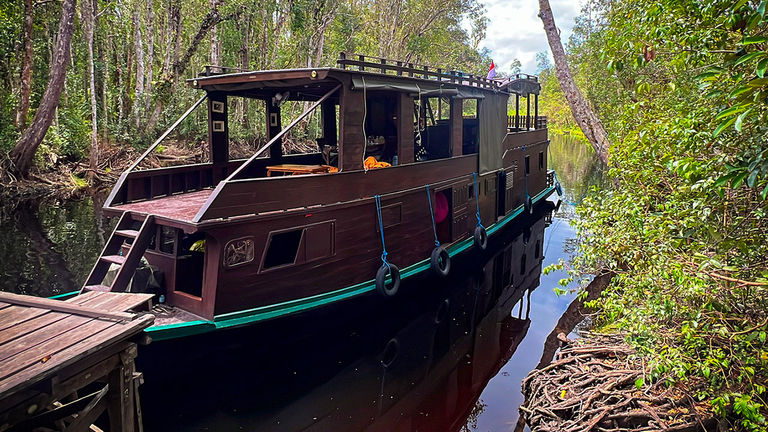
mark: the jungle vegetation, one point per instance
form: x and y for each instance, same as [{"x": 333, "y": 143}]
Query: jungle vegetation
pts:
[
  {"x": 122, "y": 75},
  {"x": 682, "y": 89}
]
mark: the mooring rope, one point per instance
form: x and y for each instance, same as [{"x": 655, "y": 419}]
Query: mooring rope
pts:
[
  {"x": 381, "y": 230},
  {"x": 477, "y": 201},
  {"x": 432, "y": 215}
]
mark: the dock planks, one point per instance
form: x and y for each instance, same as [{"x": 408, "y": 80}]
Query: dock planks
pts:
[{"x": 35, "y": 342}]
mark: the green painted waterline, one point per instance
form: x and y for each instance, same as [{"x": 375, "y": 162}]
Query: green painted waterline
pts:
[{"x": 240, "y": 318}]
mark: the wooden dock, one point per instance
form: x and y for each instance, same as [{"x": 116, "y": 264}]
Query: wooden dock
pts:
[{"x": 64, "y": 363}]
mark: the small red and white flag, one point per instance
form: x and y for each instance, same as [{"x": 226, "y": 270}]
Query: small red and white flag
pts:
[{"x": 492, "y": 71}]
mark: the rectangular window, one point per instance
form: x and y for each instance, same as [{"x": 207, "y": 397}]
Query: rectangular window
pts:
[
  {"x": 527, "y": 165},
  {"x": 432, "y": 134},
  {"x": 283, "y": 248},
  {"x": 300, "y": 245},
  {"x": 541, "y": 160},
  {"x": 470, "y": 126}
]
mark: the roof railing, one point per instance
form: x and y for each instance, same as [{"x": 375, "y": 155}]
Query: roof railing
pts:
[
  {"x": 210, "y": 70},
  {"x": 413, "y": 70}
]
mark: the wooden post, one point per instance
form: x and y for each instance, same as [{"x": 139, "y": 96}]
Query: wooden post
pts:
[
  {"x": 405, "y": 152},
  {"x": 121, "y": 397},
  {"x": 274, "y": 126},
  {"x": 536, "y": 112},
  {"x": 351, "y": 129},
  {"x": 457, "y": 126},
  {"x": 218, "y": 133},
  {"x": 517, "y": 111},
  {"x": 528, "y": 112}
]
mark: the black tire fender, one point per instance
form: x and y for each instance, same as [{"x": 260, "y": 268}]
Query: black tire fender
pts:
[
  {"x": 381, "y": 280},
  {"x": 440, "y": 261},
  {"x": 529, "y": 204},
  {"x": 481, "y": 237}
]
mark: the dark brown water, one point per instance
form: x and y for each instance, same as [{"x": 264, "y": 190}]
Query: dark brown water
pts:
[{"x": 448, "y": 354}]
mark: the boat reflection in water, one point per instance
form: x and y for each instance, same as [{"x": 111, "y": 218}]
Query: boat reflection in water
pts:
[{"x": 416, "y": 363}]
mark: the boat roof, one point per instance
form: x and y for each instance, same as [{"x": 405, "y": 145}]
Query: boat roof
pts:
[{"x": 369, "y": 73}]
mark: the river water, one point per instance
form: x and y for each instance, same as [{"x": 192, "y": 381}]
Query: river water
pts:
[{"x": 449, "y": 354}]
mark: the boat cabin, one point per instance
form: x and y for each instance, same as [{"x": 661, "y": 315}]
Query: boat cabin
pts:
[{"x": 394, "y": 143}]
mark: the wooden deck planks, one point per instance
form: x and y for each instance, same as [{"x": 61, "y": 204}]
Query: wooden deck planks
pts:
[
  {"x": 182, "y": 206},
  {"x": 25, "y": 333},
  {"x": 44, "y": 317},
  {"x": 82, "y": 344},
  {"x": 77, "y": 329},
  {"x": 60, "y": 306}
]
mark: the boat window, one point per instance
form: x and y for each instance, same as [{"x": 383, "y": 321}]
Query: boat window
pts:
[
  {"x": 300, "y": 245},
  {"x": 283, "y": 248},
  {"x": 167, "y": 240},
  {"x": 381, "y": 128},
  {"x": 527, "y": 164},
  {"x": 541, "y": 160},
  {"x": 470, "y": 126},
  {"x": 432, "y": 123},
  {"x": 247, "y": 127}
]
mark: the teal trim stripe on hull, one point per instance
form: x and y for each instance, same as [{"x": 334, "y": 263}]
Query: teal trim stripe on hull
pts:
[{"x": 240, "y": 318}]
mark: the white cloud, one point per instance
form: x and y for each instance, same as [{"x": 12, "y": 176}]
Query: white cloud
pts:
[{"x": 515, "y": 30}]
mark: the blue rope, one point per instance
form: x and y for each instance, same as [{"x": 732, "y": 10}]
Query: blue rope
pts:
[
  {"x": 381, "y": 230},
  {"x": 432, "y": 215},
  {"x": 477, "y": 201}
]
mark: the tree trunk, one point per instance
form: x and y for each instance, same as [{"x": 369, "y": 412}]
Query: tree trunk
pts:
[
  {"x": 138, "y": 95},
  {"x": 164, "y": 92},
  {"x": 150, "y": 45},
  {"x": 26, "y": 67},
  {"x": 587, "y": 120},
  {"x": 89, "y": 17},
  {"x": 215, "y": 42},
  {"x": 24, "y": 151}
]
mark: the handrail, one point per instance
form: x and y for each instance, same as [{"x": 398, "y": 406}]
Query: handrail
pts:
[
  {"x": 280, "y": 134},
  {"x": 166, "y": 133},
  {"x": 414, "y": 70}
]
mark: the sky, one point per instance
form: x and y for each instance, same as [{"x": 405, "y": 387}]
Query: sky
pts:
[{"x": 515, "y": 30}]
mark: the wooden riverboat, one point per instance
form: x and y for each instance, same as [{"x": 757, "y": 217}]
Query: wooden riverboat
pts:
[
  {"x": 422, "y": 366},
  {"x": 239, "y": 241}
]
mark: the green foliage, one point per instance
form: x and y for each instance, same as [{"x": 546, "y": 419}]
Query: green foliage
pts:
[
  {"x": 254, "y": 35},
  {"x": 683, "y": 219}
]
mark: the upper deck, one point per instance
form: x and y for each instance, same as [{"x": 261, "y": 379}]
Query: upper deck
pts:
[{"x": 412, "y": 117}]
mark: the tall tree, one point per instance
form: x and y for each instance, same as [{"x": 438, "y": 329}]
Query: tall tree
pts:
[
  {"x": 215, "y": 40},
  {"x": 24, "y": 151},
  {"x": 89, "y": 17},
  {"x": 586, "y": 118},
  {"x": 139, "y": 91},
  {"x": 26, "y": 67}
]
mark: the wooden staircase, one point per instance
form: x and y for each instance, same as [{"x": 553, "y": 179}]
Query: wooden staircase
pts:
[{"x": 136, "y": 240}]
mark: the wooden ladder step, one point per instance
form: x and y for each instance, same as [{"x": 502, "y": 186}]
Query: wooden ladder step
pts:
[
  {"x": 114, "y": 259},
  {"x": 128, "y": 233},
  {"x": 100, "y": 288}
]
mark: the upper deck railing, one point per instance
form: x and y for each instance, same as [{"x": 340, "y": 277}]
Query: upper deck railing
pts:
[
  {"x": 413, "y": 70},
  {"x": 525, "y": 122}
]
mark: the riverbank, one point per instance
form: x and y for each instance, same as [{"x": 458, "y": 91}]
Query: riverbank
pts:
[
  {"x": 598, "y": 382},
  {"x": 66, "y": 179}
]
